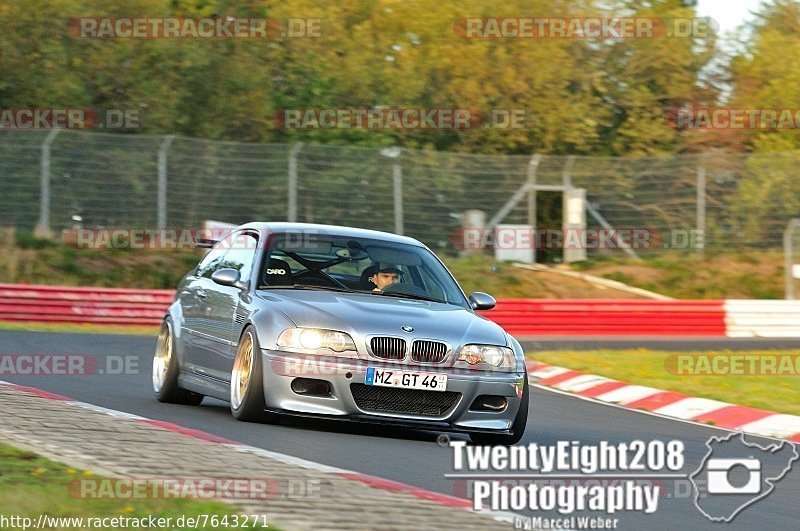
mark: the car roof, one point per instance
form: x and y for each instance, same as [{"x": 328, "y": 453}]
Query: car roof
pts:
[{"x": 338, "y": 230}]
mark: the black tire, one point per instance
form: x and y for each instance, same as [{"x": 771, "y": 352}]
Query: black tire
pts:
[
  {"x": 166, "y": 371},
  {"x": 248, "y": 405},
  {"x": 517, "y": 428}
]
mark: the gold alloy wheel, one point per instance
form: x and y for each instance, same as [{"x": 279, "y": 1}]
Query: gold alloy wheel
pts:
[
  {"x": 162, "y": 357},
  {"x": 242, "y": 371}
]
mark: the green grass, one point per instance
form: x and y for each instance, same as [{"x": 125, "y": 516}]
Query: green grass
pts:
[
  {"x": 28, "y": 260},
  {"x": 657, "y": 369},
  {"x": 730, "y": 275},
  {"x": 481, "y": 273},
  {"x": 31, "y": 485},
  {"x": 26, "y": 240},
  {"x": 503, "y": 280}
]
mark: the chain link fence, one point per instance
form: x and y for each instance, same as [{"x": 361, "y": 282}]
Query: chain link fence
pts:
[{"x": 720, "y": 202}]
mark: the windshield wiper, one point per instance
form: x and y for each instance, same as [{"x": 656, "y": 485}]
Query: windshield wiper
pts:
[{"x": 410, "y": 296}]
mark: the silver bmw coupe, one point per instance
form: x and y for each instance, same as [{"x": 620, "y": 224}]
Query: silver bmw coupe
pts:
[{"x": 335, "y": 322}]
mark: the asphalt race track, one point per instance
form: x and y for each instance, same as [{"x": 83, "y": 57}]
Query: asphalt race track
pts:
[{"x": 406, "y": 456}]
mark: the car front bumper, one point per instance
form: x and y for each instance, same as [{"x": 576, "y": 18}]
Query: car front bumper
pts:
[{"x": 281, "y": 369}]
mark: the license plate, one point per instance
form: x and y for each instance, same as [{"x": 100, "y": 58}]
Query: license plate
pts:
[{"x": 406, "y": 380}]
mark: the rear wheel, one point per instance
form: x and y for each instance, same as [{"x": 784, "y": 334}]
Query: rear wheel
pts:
[
  {"x": 247, "y": 381},
  {"x": 166, "y": 371},
  {"x": 517, "y": 428}
]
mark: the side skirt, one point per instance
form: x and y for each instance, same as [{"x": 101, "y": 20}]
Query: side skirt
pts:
[{"x": 205, "y": 386}]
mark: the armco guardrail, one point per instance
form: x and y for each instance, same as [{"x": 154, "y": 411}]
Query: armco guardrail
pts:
[
  {"x": 762, "y": 318},
  {"x": 62, "y": 304},
  {"x": 521, "y": 317}
]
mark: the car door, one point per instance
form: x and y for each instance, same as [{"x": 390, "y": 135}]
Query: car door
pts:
[
  {"x": 193, "y": 298},
  {"x": 219, "y": 334}
]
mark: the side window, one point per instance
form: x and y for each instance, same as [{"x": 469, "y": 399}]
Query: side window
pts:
[
  {"x": 241, "y": 254},
  {"x": 211, "y": 262}
]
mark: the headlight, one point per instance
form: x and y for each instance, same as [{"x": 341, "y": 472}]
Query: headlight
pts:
[
  {"x": 493, "y": 356},
  {"x": 314, "y": 340}
]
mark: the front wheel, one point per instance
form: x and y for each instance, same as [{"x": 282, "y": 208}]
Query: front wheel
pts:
[
  {"x": 517, "y": 428},
  {"x": 166, "y": 371},
  {"x": 247, "y": 381}
]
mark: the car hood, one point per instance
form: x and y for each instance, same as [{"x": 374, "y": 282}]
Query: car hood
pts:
[{"x": 364, "y": 314}]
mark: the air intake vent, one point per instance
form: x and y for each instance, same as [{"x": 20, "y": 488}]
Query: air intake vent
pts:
[
  {"x": 388, "y": 348},
  {"x": 428, "y": 351},
  {"x": 404, "y": 401}
]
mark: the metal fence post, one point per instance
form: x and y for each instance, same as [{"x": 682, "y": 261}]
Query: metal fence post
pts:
[
  {"x": 701, "y": 209},
  {"x": 397, "y": 178},
  {"x": 291, "y": 207},
  {"x": 788, "y": 251},
  {"x": 533, "y": 166},
  {"x": 42, "y": 229},
  {"x": 394, "y": 153},
  {"x": 566, "y": 172},
  {"x": 161, "y": 212}
]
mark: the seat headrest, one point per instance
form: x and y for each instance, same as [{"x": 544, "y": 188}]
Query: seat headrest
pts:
[
  {"x": 278, "y": 273},
  {"x": 364, "y": 282}
]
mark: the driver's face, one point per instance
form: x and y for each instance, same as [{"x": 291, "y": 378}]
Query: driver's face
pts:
[{"x": 381, "y": 280}]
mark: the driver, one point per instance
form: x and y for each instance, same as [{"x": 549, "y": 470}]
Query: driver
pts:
[{"x": 385, "y": 275}]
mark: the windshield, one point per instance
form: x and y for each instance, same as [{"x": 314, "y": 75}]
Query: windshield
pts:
[{"x": 380, "y": 268}]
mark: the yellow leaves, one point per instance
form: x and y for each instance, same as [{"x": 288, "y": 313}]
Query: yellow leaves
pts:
[
  {"x": 388, "y": 52},
  {"x": 767, "y": 74}
]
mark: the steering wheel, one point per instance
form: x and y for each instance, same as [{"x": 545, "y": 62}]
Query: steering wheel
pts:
[{"x": 321, "y": 275}]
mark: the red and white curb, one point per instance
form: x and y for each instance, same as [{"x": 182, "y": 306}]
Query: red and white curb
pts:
[
  {"x": 372, "y": 481},
  {"x": 667, "y": 403}
]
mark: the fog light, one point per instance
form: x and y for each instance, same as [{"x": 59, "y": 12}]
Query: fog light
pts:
[
  {"x": 489, "y": 403},
  {"x": 311, "y": 387}
]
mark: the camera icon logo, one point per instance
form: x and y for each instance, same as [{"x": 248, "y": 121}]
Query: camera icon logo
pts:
[
  {"x": 735, "y": 474},
  {"x": 719, "y": 472}
]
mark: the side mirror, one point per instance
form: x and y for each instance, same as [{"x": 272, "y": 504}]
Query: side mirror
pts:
[
  {"x": 482, "y": 301},
  {"x": 228, "y": 277}
]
